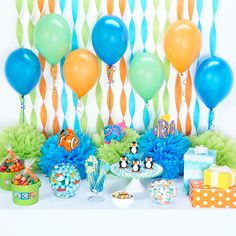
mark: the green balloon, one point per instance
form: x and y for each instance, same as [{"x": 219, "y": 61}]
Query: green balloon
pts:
[
  {"x": 146, "y": 74},
  {"x": 52, "y": 37}
]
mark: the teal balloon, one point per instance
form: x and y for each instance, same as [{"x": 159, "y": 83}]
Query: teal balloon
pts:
[
  {"x": 52, "y": 37},
  {"x": 146, "y": 74}
]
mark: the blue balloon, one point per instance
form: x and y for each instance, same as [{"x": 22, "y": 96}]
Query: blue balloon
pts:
[
  {"x": 22, "y": 70},
  {"x": 213, "y": 81},
  {"x": 110, "y": 39}
]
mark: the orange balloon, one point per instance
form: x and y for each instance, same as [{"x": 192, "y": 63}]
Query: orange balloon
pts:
[
  {"x": 182, "y": 44},
  {"x": 81, "y": 71}
]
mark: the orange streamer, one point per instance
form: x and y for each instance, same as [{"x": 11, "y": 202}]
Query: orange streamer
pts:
[
  {"x": 188, "y": 96},
  {"x": 123, "y": 100},
  {"x": 110, "y": 6},
  {"x": 178, "y": 100},
  {"x": 110, "y": 97},
  {"x": 180, "y": 8},
  {"x": 40, "y": 6},
  {"x": 51, "y": 5},
  {"x": 122, "y": 4},
  {"x": 191, "y": 4}
]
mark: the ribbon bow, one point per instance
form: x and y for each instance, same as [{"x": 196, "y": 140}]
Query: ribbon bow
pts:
[
  {"x": 220, "y": 169},
  {"x": 200, "y": 150}
]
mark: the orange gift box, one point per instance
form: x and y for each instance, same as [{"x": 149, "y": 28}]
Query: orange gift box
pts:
[{"x": 204, "y": 196}]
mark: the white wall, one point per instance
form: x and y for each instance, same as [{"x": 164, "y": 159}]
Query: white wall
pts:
[{"x": 225, "y": 113}]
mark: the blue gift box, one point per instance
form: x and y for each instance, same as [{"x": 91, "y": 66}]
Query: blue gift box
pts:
[{"x": 196, "y": 160}]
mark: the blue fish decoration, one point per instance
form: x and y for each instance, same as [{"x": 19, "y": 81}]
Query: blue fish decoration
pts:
[{"x": 113, "y": 132}]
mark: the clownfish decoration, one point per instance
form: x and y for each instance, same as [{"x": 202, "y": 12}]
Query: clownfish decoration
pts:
[
  {"x": 164, "y": 127},
  {"x": 69, "y": 141}
]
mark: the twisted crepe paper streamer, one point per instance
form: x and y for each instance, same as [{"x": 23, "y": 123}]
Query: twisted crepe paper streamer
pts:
[
  {"x": 56, "y": 125},
  {"x": 85, "y": 38},
  {"x": 155, "y": 35},
  {"x": 19, "y": 36},
  {"x": 30, "y": 6},
  {"x": 166, "y": 96},
  {"x": 123, "y": 70},
  {"x": 64, "y": 102},
  {"x": 144, "y": 32},
  {"x": 99, "y": 123},
  {"x": 131, "y": 42},
  {"x": 212, "y": 40},
  {"x": 74, "y": 46},
  {"x": 196, "y": 113},
  {"x": 110, "y": 70}
]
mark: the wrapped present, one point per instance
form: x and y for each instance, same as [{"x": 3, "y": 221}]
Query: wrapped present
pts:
[
  {"x": 220, "y": 177},
  {"x": 206, "y": 197},
  {"x": 196, "y": 160}
]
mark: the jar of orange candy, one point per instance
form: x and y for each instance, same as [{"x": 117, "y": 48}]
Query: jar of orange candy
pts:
[{"x": 8, "y": 168}]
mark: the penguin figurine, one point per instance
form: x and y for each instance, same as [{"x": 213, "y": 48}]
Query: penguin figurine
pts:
[
  {"x": 148, "y": 163},
  {"x": 123, "y": 162},
  {"x": 133, "y": 148},
  {"x": 136, "y": 166}
]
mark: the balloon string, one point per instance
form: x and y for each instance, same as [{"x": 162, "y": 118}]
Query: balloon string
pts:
[
  {"x": 54, "y": 78},
  {"x": 210, "y": 120},
  {"x": 79, "y": 106},
  {"x": 23, "y": 108}
]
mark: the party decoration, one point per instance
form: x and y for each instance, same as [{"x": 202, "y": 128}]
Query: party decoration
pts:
[
  {"x": 225, "y": 147},
  {"x": 220, "y": 177},
  {"x": 114, "y": 132},
  {"x": 69, "y": 141},
  {"x": 22, "y": 81},
  {"x": 182, "y": 44},
  {"x": 8, "y": 168},
  {"x": 162, "y": 191},
  {"x": 206, "y": 197},
  {"x": 168, "y": 152},
  {"x": 110, "y": 39},
  {"x": 52, "y": 37},
  {"x": 146, "y": 74},
  {"x": 25, "y": 186},
  {"x": 64, "y": 180},
  {"x": 96, "y": 170},
  {"x": 196, "y": 161},
  {"x": 114, "y": 150},
  {"x": 52, "y": 154},
  {"x": 81, "y": 71},
  {"x": 213, "y": 81},
  {"x": 25, "y": 141},
  {"x": 122, "y": 199}
]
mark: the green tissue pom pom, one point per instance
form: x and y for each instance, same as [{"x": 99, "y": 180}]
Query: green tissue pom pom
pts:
[
  {"x": 25, "y": 140},
  {"x": 113, "y": 151},
  {"x": 225, "y": 147}
]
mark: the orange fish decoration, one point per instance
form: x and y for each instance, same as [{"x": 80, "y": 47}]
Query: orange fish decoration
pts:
[{"x": 69, "y": 141}]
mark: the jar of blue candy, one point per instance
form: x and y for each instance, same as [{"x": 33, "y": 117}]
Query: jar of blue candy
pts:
[{"x": 64, "y": 180}]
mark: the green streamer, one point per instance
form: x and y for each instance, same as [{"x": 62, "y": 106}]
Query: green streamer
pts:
[
  {"x": 19, "y": 32},
  {"x": 84, "y": 118}
]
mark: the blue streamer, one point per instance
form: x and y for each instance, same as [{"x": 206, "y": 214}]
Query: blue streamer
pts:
[
  {"x": 210, "y": 120},
  {"x": 62, "y": 5},
  {"x": 74, "y": 8},
  {"x": 213, "y": 28},
  {"x": 131, "y": 5},
  {"x": 132, "y": 107},
  {"x": 74, "y": 44},
  {"x": 146, "y": 116},
  {"x": 76, "y": 121}
]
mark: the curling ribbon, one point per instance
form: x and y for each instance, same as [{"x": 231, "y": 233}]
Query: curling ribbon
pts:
[
  {"x": 146, "y": 115},
  {"x": 19, "y": 36},
  {"x": 23, "y": 108},
  {"x": 123, "y": 70},
  {"x": 131, "y": 42},
  {"x": 98, "y": 93},
  {"x": 212, "y": 50},
  {"x": 110, "y": 70},
  {"x": 166, "y": 95},
  {"x": 42, "y": 83},
  {"x": 74, "y": 46},
  {"x": 196, "y": 113},
  {"x": 56, "y": 126},
  {"x": 156, "y": 33},
  {"x": 64, "y": 102},
  {"x": 85, "y": 38},
  {"x": 30, "y": 6}
]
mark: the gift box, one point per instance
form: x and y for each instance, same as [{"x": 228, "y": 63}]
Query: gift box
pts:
[
  {"x": 206, "y": 197},
  {"x": 196, "y": 160},
  {"x": 220, "y": 177}
]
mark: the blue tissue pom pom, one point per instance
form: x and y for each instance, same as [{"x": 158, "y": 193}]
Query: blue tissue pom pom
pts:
[
  {"x": 52, "y": 154},
  {"x": 167, "y": 152}
]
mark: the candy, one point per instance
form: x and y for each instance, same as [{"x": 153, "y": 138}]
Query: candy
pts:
[
  {"x": 162, "y": 191},
  {"x": 64, "y": 180}
]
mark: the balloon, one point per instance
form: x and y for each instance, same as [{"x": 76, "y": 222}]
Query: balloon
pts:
[
  {"x": 22, "y": 70},
  {"x": 52, "y": 37},
  {"x": 182, "y": 44},
  {"x": 146, "y": 74},
  {"x": 213, "y": 81},
  {"x": 110, "y": 39},
  {"x": 81, "y": 71}
]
